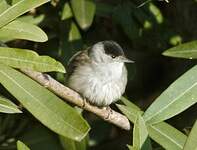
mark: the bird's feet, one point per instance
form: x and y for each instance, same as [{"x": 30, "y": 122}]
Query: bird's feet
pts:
[
  {"x": 109, "y": 110},
  {"x": 84, "y": 102}
]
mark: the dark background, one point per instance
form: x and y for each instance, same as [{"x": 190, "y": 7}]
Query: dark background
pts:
[{"x": 143, "y": 38}]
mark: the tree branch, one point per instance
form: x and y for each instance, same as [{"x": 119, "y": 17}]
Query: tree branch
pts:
[{"x": 73, "y": 97}]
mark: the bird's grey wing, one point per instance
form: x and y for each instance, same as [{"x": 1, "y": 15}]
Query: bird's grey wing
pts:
[{"x": 78, "y": 59}]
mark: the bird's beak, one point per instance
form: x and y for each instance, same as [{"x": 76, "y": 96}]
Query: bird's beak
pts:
[{"x": 126, "y": 60}]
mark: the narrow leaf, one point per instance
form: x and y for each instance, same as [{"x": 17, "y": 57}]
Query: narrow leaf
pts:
[
  {"x": 6, "y": 106},
  {"x": 21, "y": 146},
  {"x": 22, "y": 30},
  {"x": 167, "y": 136},
  {"x": 186, "y": 50},
  {"x": 67, "y": 12},
  {"x": 163, "y": 133},
  {"x": 69, "y": 144},
  {"x": 178, "y": 97},
  {"x": 21, "y": 58},
  {"x": 18, "y": 9},
  {"x": 44, "y": 105},
  {"x": 3, "y": 6},
  {"x": 156, "y": 12},
  {"x": 131, "y": 113},
  {"x": 32, "y": 19},
  {"x": 140, "y": 135},
  {"x": 84, "y": 11},
  {"x": 132, "y": 147},
  {"x": 191, "y": 143},
  {"x": 74, "y": 33}
]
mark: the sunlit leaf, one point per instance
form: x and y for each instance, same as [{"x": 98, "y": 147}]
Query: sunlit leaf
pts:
[
  {"x": 163, "y": 133},
  {"x": 31, "y": 19},
  {"x": 22, "y": 30},
  {"x": 12, "y": 2},
  {"x": 18, "y": 9},
  {"x": 179, "y": 96},
  {"x": 132, "y": 114},
  {"x": 69, "y": 144},
  {"x": 21, "y": 146},
  {"x": 84, "y": 11},
  {"x": 186, "y": 50},
  {"x": 21, "y": 58},
  {"x": 6, "y": 106},
  {"x": 167, "y": 136},
  {"x": 132, "y": 147},
  {"x": 44, "y": 105},
  {"x": 74, "y": 33},
  {"x": 175, "y": 40},
  {"x": 191, "y": 143},
  {"x": 156, "y": 12},
  {"x": 3, "y": 5},
  {"x": 141, "y": 140},
  {"x": 66, "y": 12}
]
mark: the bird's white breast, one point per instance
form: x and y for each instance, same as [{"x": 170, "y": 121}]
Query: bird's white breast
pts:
[{"x": 101, "y": 84}]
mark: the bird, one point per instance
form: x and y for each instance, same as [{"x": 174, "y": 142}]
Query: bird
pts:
[{"x": 99, "y": 73}]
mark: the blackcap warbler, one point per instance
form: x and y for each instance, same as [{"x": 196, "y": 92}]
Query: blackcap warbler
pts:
[{"x": 99, "y": 73}]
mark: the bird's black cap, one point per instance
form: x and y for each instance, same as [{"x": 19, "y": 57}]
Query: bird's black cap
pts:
[{"x": 113, "y": 48}]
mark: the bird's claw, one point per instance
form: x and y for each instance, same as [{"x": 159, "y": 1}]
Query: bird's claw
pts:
[{"x": 110, "y": 111}]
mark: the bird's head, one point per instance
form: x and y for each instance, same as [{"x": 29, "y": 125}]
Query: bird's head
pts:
[{"x": 108, "y": 52}]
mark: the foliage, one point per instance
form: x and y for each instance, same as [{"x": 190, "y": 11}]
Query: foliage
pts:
[
  {"x": 67, "y": 26},
  {"x": 21, "y": 146}
]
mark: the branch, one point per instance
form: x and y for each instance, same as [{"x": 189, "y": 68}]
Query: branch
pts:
[{"x": 73, "y": 97}]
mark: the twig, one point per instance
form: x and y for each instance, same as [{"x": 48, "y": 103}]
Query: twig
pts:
[{"x": 73, "y": 97}]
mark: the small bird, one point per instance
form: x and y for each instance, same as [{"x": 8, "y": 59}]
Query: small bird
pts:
[{"x": 99, "y": 73}]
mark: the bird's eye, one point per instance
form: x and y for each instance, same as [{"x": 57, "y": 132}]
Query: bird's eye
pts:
[{"x": 113, "y": 56}]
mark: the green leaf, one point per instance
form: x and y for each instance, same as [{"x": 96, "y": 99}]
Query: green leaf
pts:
[
  {"x": 21, "y": 30},
  {"x": 3, "y": 5},
  {"x": 175, "y": 40},
  {"x": 6, "y": 106},
  {"x": 21, "y": 146},
  {"x": 167, "y": 136},
  {"x": 179, "y": 96},
  {"x": 186, "y": 50},
  {"x": 84, "y": 11},
  {"x": 156, "y": 13},
  {"x": 132, "y": 147},
  {"x": 44, "y": 105},
  {"x": 74, "y": 33},
  {"x": 141, "y": 140},
  {"x": 21, "y": 58},
  {"x": 18, "y": 9},
  {"x": 69, "y": 144},
  {"x": 32, "y": 19},
  {"x": 131, "y": 113},
  {"x": 163, "y": 133},
  {"x": 67, "y": 12},
  {"x": 191, "y": 143}
]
